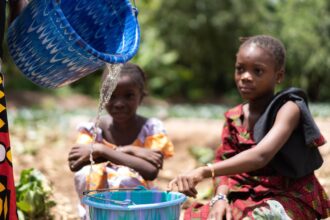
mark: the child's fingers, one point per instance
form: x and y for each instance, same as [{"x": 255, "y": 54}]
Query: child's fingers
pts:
[
  {"x": 192, "y": 186},
  {"x": 188, "y": 189},
  {"x": 179, "y": 184},
  {"x": 72, "y": 166},
  {"x": 156, "y": 160},
  {"x": 170, "y": 186},
  {"x": 77, "y": 164},
  {"x": 183, "y": 186},
  {"x": 72, "y": 155},
  {"x": 159, "y": 162},
  {"x": 228, "y": 213}
]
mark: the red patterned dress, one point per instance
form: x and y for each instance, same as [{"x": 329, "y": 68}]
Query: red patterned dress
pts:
[{"x": 263, "y": 194}]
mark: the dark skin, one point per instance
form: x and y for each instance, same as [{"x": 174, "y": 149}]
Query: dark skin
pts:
[
  {"x": 16, "y": 7},
  {"x": 256, "y": 76},
  {"x": 121, "y": 128}
]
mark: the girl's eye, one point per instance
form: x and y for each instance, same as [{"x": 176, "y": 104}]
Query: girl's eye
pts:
[
  {"x": 130, "y": 95},
  {"x": 258, "y": 71},
  {"x": 239, "y": 69}
]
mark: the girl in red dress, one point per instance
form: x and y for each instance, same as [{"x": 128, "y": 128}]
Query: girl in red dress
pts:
[{"x": 269, "y": 151}]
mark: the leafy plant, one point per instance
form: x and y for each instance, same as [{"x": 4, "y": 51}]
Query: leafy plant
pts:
[
  {"x": 203, "y": 155},
  {"x": 33, "y": 195}
]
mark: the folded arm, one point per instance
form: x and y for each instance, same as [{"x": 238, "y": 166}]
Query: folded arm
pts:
[{"x": 79, "y": 157}]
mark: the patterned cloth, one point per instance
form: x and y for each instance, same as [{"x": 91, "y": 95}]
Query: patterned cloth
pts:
[
  {"x": 263, "y": 194},
  {"x": 106, "y": 175},
  {"x": 7, "y": 187}
]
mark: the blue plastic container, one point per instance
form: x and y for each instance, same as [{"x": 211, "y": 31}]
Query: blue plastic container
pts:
[
  {"x": 135, "y": 205},
  {"x": 56, "y": 42}
]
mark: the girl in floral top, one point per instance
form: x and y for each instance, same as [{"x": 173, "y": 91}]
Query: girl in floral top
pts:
[
  {"x": 269, "y": 151},
  {"x": 129, "y": 148}
]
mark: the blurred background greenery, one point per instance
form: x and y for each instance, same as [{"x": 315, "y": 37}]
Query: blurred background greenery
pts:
[{"x": 188, "y": 48}]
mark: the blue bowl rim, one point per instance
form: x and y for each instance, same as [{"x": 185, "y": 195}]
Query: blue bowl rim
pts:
[
  {"x": 86, "y": 200},
  {"x": 109, "y": 58}
]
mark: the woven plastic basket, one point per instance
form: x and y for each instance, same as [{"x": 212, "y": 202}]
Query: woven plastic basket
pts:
[
  {"x": 134, "y": 205},
  {"x": 56, "y": 42}
]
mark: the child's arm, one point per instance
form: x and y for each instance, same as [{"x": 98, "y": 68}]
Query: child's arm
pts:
[
  {"x": 259, "y": 156},
  {"x": 155, "y": 157},
  {"x": 79, "y": 157},
  {"x": 252, "y": 159},
  {"x": 148, "y": 170}
]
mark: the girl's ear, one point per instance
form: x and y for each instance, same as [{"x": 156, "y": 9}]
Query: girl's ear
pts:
[{"x": 280, "y": 76}]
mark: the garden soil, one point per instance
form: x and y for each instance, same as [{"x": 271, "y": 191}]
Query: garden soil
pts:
[{"x": 185, "y": 133}]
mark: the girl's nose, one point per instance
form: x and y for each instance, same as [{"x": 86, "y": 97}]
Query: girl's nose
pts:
[
  {"x": 246, "y": 76},
  {"x": 118, "y": 103}
]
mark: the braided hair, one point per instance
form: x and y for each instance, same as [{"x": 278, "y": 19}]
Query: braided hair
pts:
[{"x": 269, "y": 43}]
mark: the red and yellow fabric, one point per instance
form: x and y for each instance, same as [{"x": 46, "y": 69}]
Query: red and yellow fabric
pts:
[{"x": 7, "y": 187}]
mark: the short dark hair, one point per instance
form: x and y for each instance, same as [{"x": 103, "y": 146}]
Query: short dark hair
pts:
[
  {"x": 135, "y": 72},
  {"x": 272, "y": 44}
]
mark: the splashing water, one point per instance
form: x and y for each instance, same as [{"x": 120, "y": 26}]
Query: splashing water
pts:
[{"x": 108, "y": 86}]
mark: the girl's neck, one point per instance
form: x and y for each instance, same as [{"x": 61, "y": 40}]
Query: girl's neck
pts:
[
  {"x": 252, "y": 111},
  {"x": 127, "y": 125},
  {"x": 259, "y": 105},
  {"x": 124, "y": 133}
]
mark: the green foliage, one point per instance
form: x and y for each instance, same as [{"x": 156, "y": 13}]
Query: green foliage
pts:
[
  {"x": 306, "y": 33},
  {"x": 164, "y": 78},
  {"x": 203, "y": 36},
  {"x": 33, "y": 196},
  {"x": 203, "y": 155}
]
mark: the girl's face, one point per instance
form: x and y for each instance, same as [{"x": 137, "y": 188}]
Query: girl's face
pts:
[
  {"x": 255, "y": 72},
  {"x": 125, "y": 100}
]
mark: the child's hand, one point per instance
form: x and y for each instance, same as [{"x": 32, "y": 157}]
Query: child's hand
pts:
[
  {"x": 79, "y": 156},
  {"x": 153, "y": 156},
  {"x": 186, "y": 182},
  {"x": 220, "y": 210}
]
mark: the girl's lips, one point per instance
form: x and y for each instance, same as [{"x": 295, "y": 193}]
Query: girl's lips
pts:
[
  {"x": 245, "y": 89},
  {"x": 118, "y": 114}
]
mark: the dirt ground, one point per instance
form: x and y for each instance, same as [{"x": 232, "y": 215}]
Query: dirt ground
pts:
[{"x": 52, "y": 160}]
